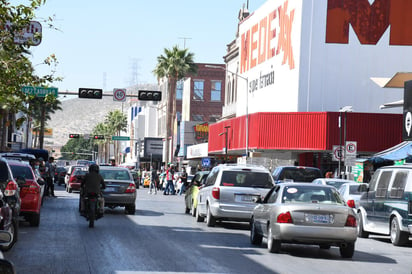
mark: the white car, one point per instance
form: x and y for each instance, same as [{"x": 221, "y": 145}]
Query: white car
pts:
[
  {"x": 335, "y": 182},
  {"x": 351, "y": 193}
]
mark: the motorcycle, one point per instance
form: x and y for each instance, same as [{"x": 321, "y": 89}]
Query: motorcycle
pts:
[{"x": 92, "y": 208}]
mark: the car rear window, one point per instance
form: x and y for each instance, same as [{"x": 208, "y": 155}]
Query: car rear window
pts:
[
  {"x": 309, "y": 194},
  {"x": 23, "y": 171},
  {"x": 115, "y": 174},
  {"x": 300, "y": 174},
  {"x": 357, "y": 189},
  {"x": 336, "y": 184},
  {"x": 79, "y": 171},
  {"x": 246, "y": 179}
]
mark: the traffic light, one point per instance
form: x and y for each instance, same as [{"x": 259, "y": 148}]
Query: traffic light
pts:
[
  {"x": 90, "y": 93},
  {"x": 74, "y": 135},
  {"x": 98, "y": 137},
  {"x": 148, "y": 95}
]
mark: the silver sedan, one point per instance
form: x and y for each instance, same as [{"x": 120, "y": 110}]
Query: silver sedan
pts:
[{"x": 300, "y": 213}]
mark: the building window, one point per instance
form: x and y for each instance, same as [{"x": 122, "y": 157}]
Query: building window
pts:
[
  {"x": 197, "y": 117},
  {"x": 179, "y": 90},
  {"x": 216, "y": 91},
  {"x": 198, "y": 90}
]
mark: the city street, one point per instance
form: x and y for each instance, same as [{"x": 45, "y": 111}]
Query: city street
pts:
[{"x": 161, "y": 238}]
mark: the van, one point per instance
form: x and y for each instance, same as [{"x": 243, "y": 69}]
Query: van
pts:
[
  {"x": 386, "y": 207},
  {"x": 301, "y": 174}
]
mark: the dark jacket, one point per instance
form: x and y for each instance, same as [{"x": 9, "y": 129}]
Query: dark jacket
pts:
[{"x": 93, "y": 183}]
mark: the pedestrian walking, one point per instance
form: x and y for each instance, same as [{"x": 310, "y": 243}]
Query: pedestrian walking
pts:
[
  {"x": 183, "y": 180},
  {"x": 49, "y": 177},
  {"x": 170, "y": 188},
  {"x": 154, "y": 180}
]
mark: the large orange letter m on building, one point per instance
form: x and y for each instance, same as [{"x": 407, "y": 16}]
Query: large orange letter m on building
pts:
[{"x": 369, "y": 22}]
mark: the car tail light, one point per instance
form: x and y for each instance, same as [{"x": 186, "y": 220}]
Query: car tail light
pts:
[
  {"x": 351, "y": 221},
  {"x": 11, "y": 189},
  {"x": 285, "y": 218},
  {"x": 216, "y": 193},
  {"x": 131, "y": 188},
  {"x": 31, "y": 189},
  {"x": 72, "y": 179},
  {"x": 351, "y": 203}
]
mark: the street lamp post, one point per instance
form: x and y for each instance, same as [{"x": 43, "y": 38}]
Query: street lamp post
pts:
[
  {"x": 247, "y": 104},
  {"x": 344, "y": 109},
  {"x": 226, "y": 140}
]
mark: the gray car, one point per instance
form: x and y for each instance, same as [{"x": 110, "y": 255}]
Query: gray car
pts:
[
  {"x": 120, "y": 188},
  {"x": 230, "y": 191},
  {"x": 302, "y": 213}
]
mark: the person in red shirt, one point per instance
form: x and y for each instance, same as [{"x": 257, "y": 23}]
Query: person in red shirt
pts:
[{"x": 170, "y": 188}]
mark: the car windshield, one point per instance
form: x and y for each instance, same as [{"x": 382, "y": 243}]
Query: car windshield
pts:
[
  {"x": 300, "y": 174},
  {"x": 310, "y": 194},
  {"x": 246, "y": 179},
  {"x": 23, "y": 171},
  {"x": 357, "y": 189},
  {"x": 115, "y": 174},
  {"x": 336, "y": 184}
]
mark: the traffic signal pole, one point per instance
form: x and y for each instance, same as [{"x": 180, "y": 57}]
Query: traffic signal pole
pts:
[{"x": 105, "y": 93}]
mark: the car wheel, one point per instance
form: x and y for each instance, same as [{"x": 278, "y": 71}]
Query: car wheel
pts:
[
  {"x": 347, "y": 250},
  {"x": 274, "y": 246},
  {"x": 193, "y": 210},
  {"x": 255, "y": 237},
  {"x": 361, "y": 233},
  {"x": 198, "y": 217},
  {"x": 210, "y": 220},
  {"x": 398, "y": 237},
  {"x": 34, "y": 220},
  {"x": 130, "y": 209},
  {"x": 13, "y": 229}
]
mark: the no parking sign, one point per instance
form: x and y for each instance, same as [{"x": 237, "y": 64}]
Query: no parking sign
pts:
[{"x": 119, "y": 95}]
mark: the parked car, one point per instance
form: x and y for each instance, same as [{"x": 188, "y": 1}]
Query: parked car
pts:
[
  {"x": 351, "y": 193},
  {"x": 295, "y": 174},
  {"x": 69, "y": 172},
  {"x": 386, "y": 207},
  {"x": 335, "y": 182},
  {"x": 30, "y": 191},
  {"x": 229, "y": 192},
  {"x": 59, "y": 175},
  {"x": 10, "y": 199},
  {"x": 301, "y": 213},
  {"x": 75, "y": 179},
  {"x": 120, "y": 188},
  {"x": 18, "y": 156},
  {"x": 192, "y": 191}
]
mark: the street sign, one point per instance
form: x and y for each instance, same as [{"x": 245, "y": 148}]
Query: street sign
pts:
[
  {"x": 119, "y": 95},
  {"x": 39, "y": 91},
  {"x": 337, "y": 153},
  {"x": 120, "y": 138},
  {"x": 350, "y": 153}
]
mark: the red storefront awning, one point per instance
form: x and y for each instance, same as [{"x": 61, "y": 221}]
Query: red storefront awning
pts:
[{"x": 306, "y": 131}]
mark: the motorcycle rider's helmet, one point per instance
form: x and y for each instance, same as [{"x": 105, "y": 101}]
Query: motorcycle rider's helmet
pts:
[{"x": 94, "y": 168}]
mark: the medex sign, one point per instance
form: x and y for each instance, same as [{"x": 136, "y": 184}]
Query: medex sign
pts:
[
  {"x": 269, "y": 37},
  {"x": 369, "y": 21}
]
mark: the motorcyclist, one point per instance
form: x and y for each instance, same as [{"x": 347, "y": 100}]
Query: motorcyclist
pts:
[{"x": 93, "y": 182}]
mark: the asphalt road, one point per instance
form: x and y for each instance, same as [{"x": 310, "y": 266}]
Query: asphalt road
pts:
[{"x": 160, "y": 238}]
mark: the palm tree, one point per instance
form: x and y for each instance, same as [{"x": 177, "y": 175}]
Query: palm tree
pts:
[
  {"x": 175, "y": 64},
  {"x": 116, "y": 122},
  {"x": 102, "y": 129}
]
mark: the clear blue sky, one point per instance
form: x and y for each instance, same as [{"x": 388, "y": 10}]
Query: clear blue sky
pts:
[{"x": 98, "y": 37}]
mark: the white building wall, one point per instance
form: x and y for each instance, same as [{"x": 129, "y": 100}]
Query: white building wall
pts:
[{"x": 322, "y": 76}]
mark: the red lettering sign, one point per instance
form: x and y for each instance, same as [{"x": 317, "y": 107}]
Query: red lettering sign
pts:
[
  {"x": 369, "y": 22},
  {"x": 258, "y": 42}
]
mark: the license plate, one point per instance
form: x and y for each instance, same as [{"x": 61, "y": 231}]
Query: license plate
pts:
[
  {"x": 109, "y": 189},
  {"x": 244, "y": 198},
  {"x": 321, "y": 219}
]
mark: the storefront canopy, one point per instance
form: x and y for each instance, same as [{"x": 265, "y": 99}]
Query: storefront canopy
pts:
[{"x": 398, "y": 152}]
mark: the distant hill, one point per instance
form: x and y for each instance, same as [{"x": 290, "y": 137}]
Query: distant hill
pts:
[{"x": 82, "y": 115}]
